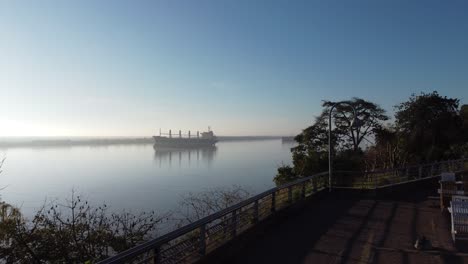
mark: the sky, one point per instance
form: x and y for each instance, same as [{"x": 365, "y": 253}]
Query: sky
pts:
[{"x": 129, "y": 68}]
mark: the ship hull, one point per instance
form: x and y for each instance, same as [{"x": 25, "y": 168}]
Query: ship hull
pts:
[{"x": 164, "y": 142}]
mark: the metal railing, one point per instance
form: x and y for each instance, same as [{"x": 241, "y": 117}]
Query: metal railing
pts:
[
  {"x": 193, "y": 241},
  {"x": 391, "y": 177}
]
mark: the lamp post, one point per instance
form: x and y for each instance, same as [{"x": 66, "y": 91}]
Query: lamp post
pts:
[{"x": 353, "y": 124}]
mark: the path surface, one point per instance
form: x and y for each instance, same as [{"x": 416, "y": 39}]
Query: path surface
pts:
[{"x": 355, "y": 231}]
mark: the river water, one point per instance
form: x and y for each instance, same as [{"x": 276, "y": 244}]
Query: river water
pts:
[{"x": 136, "y": 177}]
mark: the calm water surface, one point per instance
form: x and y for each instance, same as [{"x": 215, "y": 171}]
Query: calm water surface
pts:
[{"x": 136, "y": 177}]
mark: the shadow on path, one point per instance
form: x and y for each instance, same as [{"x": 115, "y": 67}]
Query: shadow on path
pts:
[
  {"x": 338, "y": 230},
  {"x": 291, "y": 237}
]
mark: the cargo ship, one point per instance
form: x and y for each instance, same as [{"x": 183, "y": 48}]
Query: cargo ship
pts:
[{"x": 170, "y": 140}]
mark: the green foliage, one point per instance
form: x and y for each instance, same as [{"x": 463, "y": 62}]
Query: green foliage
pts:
[
  {"x": 349, "y": 160},
  {"x": 464, "y": 117},
  {"x": 464, "y": 113},
  {"x": 388, "y": 151},
  {"x": 310, "y": 156},
  {"x": 74, "y": 232},
  {"x": 285, "y": 174},
  {"x": 430, "y": 125},
  {"x": 370, "y": 116}
]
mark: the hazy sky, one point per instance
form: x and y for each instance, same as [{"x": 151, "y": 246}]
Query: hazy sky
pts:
[{"x": 128, "y": 68}]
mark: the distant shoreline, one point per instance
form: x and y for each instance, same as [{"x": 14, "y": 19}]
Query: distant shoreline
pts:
[{"x": 17, "y": 142}]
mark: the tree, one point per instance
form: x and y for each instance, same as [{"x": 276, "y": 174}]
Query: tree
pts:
[
  {"x": 311, "y": 154},
  {"x": 2, "y": 161},
  {"x": 8, "y": 217},
  {"x": 74, "y": 232},
  {"x": 388, "y": 150},
  {"x": 370, "y": 116},
  {"x": 430, "y": 125},
  {"x": 464, "y": 117}
]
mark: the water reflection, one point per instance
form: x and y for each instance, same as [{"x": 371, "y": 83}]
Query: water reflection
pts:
[
  {"x": 136, "y": 176},
  {"x": 184, "y": 156}
]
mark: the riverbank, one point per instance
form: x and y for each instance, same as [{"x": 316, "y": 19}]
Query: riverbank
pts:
[{"x": 55, "y": 142}]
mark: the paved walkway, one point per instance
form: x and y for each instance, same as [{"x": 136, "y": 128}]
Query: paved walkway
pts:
[{"x": 354, "y": 231}]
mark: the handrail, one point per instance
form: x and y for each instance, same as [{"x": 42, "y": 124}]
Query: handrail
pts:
[
  {"x": 201, "y": 224},
  {"x": 395, "y": 176},
  {"x": 403, "y": 167},
  {"x": 145, "y": 247}
]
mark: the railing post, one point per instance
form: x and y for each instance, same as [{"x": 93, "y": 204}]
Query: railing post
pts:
[
  {"x": 432, "y": 169},
  {"x": 290, "y": 194},
  {"x": 202, "y": 249},
  {"x": 303, "y": 190},
  {"x": 364, "y": 182},
  {"x": 156, "y": 256},
  {"x": 314, "y": 184},
  {"x": 374, "y": 179},
  {"x": 256, "y": 211},
  {"x": 420, "y": 171},
  {"x": 273, "y": 202},
  {"x": 234, "y": 223}
]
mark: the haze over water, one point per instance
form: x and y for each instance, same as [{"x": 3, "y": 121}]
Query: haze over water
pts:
[{"x": 136, "y": 177}]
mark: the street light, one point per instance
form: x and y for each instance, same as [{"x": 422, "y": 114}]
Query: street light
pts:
[{"x": 356, "y": 123}]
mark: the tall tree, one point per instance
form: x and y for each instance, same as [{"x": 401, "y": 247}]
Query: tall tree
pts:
[
  {"x": 430, "y": 124},
  {"x": 311, "y": 154},
  {"x": 369, "y": 115}
]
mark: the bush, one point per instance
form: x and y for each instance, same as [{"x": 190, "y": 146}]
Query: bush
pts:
[
  {"x": 285, "y": 174},
  {"x": 72, "y": 232}
]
